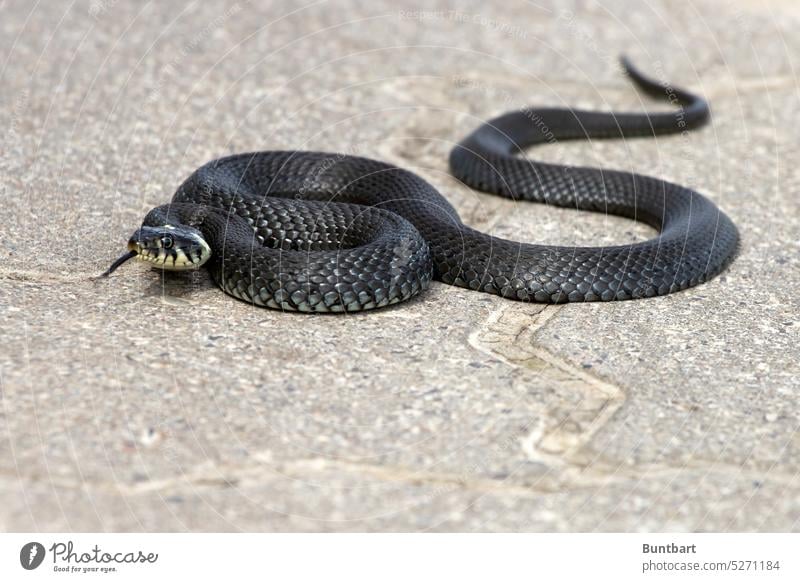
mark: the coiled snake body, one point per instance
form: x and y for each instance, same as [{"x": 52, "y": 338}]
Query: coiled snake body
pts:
[{"x": 307, "y": 231}]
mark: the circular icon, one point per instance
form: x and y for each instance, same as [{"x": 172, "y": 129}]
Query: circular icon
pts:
[{"x": 31, "y": 555}]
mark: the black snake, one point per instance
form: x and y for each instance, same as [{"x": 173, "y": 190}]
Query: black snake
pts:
[{"x": 322, "y": 232}]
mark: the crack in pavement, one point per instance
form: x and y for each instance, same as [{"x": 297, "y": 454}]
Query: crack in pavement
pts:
[
  {"x": 557, "y": 439},
  {"x": 264, "y": 469}
]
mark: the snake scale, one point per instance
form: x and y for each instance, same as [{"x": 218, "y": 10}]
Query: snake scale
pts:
[{"x": 323, "y": 232}]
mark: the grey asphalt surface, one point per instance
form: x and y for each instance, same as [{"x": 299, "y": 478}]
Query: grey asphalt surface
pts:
[{"x": 145, "y": 403}]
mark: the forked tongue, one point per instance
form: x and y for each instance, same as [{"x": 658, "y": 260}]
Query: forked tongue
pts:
[{"x": 115, "y": 265}]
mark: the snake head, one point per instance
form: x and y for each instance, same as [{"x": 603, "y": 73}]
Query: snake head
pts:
[{"x": 175, "y": 248}]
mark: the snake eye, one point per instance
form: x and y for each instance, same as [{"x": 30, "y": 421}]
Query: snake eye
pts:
[{"x": 167, "y": 241}]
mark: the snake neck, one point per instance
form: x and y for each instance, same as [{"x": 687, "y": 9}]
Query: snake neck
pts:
[{"x": 221, "y": 230}]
